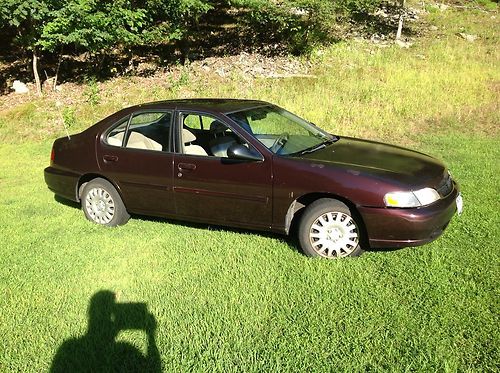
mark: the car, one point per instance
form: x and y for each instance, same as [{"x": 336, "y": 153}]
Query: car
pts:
[{"x": 253, "y": 165}]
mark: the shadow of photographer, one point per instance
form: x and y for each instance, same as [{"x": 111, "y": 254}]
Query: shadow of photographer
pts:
[{"x": 98, "y": 350}]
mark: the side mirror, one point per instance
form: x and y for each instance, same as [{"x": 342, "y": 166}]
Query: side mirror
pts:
[{"x": 238, "y": 151}]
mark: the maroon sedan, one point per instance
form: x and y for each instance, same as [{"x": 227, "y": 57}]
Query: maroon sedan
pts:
[{"x": 254, "y": 165}]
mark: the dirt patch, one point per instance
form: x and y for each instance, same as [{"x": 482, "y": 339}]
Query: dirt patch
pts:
[{"x": 244, "y": 65}]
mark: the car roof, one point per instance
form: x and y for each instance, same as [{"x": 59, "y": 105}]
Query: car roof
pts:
[{"x": 213, "y": 105}]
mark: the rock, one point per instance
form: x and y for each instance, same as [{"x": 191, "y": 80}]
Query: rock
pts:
[
  {"x": 433, "y": 28},
  {"x": 439, "y": 7},
  {"x": 146, "y": 67},
  {"x": 221, "y": 72},
  {"x": 377, "y": 38},
  {"x": 381, "y": 13},
  {"x": 469, "y": 37},
  {"x": 20, "y": 87},
  {"x": 403, "y": 44}
]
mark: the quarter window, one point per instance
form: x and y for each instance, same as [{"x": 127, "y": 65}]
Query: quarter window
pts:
[{"x": 147, "y": 130}]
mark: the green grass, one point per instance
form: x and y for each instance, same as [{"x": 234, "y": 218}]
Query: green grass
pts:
[{"x": 227, "y": 300}]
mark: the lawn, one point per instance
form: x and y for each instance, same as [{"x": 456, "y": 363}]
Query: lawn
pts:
[{"x": 228, "y": 300}]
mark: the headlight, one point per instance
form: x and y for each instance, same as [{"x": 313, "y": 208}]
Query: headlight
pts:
[
  {"x": 426, "y": 196},
  {"x": 421, "y": 197}
]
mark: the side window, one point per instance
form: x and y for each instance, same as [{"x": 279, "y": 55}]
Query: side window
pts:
[
  {"x": 193, "y": 121},
  {"x": 148, "y": 130},
  {"x": 210, "y": 138},
  {"x": 116, "y": 135}
]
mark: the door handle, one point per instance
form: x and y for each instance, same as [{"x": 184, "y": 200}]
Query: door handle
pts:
[
  {"x": 110, "y": 158},
  {"x": 186, "y": 166}
]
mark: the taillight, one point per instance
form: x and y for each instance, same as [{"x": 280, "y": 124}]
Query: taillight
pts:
[{"x": 52, "y": 156}]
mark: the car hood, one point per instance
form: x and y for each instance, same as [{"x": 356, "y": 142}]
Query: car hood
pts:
[{"x": 377, "y": 159}]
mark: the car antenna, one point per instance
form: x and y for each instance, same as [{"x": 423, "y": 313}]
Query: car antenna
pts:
[{"x": 58, "y": 105}]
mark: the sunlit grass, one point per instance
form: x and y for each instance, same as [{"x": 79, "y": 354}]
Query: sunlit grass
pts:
[{"x": 225, "y": 299}]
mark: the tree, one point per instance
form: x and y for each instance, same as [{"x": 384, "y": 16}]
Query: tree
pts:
[
  {"x": 96, "y": 26},
  {"x": 29, "y": 17},
  {"x": 302, "y": 23},
  {"x": 401, "y": 16}
]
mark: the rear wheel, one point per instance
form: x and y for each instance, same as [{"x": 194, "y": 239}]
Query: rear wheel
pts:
[
  {"x": 102, "y": 204},
  {"x": 328, "y": 229}
]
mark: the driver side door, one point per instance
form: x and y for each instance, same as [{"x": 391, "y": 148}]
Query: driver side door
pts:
[{"x": 210, "y": 187}]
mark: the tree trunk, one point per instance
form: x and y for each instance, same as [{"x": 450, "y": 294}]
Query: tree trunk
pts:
[
  {"x": 400, "y": 24},
  {"x": 38, "y": 84}
]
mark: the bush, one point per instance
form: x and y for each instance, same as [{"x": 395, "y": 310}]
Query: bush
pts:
[{"x": 301, "y": 23}]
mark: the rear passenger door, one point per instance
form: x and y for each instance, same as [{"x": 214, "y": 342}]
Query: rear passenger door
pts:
[{"x": 135, "y": 154}]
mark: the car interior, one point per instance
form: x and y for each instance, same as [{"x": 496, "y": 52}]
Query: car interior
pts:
[
  {"x": 198, "y": 139},
  {"x": 212, "y": 140},
  {"x": 150, "y": 135}
]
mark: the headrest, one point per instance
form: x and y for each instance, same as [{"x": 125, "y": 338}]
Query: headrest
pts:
[
  {"x": 217, "y": 126},
  {"x": 187, "y": 136}
]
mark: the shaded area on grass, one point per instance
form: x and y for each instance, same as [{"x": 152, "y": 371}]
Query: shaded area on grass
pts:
[
  {"x": 290, "y": 240},
  {"x": 98, "y": 351}
]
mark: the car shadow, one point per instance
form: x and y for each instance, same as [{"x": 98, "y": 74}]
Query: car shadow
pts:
[
  {"x": 291, "y": 240},
  {"x": 98, "y": 350},
  {"x": 66, "y": 202}
]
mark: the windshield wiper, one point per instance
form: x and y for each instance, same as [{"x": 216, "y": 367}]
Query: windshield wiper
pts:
[{"x": 318, "y": 147}]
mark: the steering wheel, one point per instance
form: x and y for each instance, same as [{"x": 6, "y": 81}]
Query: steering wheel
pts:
[{"x": 279, "y": 143}]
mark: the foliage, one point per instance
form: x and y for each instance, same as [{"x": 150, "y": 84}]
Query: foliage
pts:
[
  {"x": 29, "y": 17},
  {"x": 91, "y": 92},
  {"x": 302, "y": 23},
  {"x": 93, "y": 25},
  {"x": 96, "y": 26},
  {"x": 68, "y": 116}
]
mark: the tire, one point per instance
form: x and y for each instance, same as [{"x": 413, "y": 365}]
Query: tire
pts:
[
  {"x": 102, "y": 204},
  {"x": 329, "y": 229}
]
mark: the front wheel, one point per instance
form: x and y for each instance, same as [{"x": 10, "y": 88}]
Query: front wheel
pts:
[
  {"x": 102, "y": 204},
  {"x": 328, "y": 229}
]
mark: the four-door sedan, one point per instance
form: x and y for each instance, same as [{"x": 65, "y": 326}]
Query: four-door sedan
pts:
[{"x": 254, "y": 165}]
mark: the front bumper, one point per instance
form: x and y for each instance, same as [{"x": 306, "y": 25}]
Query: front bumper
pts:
[{"x": 397, "y": 227}]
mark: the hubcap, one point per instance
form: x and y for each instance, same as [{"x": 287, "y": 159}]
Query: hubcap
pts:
[
  {"x": 99, "y": 205},
  {"x": 334, "y": 235}
]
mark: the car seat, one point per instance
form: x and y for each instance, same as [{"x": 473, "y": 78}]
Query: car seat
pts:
[
  {"x": 189, "y": 148},
  {"x": 221, "y": 141}
]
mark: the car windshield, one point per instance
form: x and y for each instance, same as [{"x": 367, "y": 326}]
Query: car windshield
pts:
[{"x": 281, "y": 131}]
